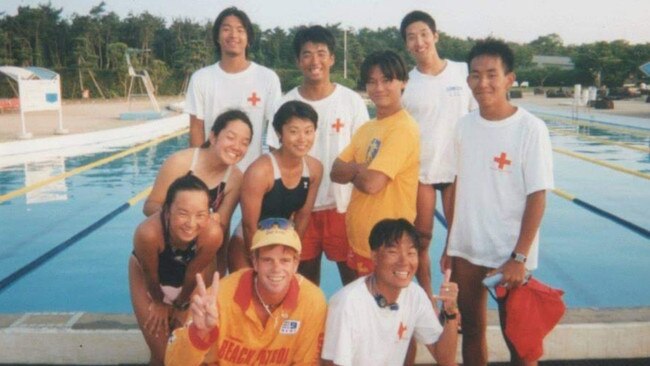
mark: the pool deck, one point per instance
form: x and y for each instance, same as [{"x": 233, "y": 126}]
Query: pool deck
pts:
[
  {"x": 90, "y": 338},
  {"x": 108, "y": 339}
]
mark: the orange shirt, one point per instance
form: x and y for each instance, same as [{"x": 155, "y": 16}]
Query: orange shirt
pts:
[{"x": 293, "y": 335}]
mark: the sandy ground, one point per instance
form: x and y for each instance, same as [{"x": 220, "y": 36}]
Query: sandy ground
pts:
[{"x": 79, "y": 116}]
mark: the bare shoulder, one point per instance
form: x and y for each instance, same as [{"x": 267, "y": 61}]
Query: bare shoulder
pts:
[
  {"x": 260, "y": 168},
  {"x": 149, "y": 232},
  {"x": 179, "y": 161},
  {"x": 314, "y": 165}
]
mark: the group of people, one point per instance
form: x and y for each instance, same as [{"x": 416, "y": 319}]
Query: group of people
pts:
[{"x": 362, "y": 191}]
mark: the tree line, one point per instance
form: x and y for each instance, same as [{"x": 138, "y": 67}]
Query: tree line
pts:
[{"x": 88, "y": 50}]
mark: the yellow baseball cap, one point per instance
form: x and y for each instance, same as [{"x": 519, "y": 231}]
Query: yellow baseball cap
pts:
[{"x": 276, "y": 231}]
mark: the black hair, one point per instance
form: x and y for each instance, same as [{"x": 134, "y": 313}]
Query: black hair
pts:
[
  {"x": 416, "y": 16},
  {"x": 245, "y": 21},
  {"x": 314, "y": 34},
  {"x": 390, "y": 63},
  {"x": 496, "y": 48},
  {"x": 187, "y": 182},
  {"x": 224, "y": 119},
  {"x": 291, "y": 109},
  {"x": 388, "y": 232}
]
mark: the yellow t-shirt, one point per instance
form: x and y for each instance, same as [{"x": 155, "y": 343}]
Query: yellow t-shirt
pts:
[
  {"x": 391, "y": 146},
  {"x": 293, "y": 334}
]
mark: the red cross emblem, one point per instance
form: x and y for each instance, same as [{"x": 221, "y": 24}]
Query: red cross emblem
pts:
[
  {"x": 401, "y": 330},
  {"x": 502, "y": 160},
  {"x": 337, "y": 126},
  {"x": 254, "y": 99}
]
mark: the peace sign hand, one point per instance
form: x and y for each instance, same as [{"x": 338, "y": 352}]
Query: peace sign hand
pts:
[{"x": 205, "y": 315}]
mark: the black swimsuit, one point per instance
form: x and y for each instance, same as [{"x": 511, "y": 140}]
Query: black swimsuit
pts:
[
  {"x": 217, "y": 193},
  {"x": 281, "y": 201}
]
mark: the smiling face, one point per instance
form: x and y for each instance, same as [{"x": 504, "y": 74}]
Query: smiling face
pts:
[
  {"x": 395, "y": 265},
  {"x": 188, "y": 215},
  {"x": 385, "y": 93},
  {"x": 420, "y": 40},
  {"x": 275, "y": 266},
  {"x": 298, "y": 136},
  {"x": 233, "y": 38},
  {"x": 315, "y": 61},
  {"x": 489, "y": 81},
  {"x": 231, "y": 144}
]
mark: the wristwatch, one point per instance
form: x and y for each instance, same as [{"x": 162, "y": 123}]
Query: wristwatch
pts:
[{"x": 518, "y": 257}]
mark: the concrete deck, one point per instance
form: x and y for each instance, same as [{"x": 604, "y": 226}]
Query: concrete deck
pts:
[{"x": 109, "y": 339}]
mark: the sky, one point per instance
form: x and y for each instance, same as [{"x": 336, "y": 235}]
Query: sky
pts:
[{"x": 576, "y": 21}]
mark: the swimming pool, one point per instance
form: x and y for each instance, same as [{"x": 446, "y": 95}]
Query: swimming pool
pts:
[{"x": 598, "y": 262}]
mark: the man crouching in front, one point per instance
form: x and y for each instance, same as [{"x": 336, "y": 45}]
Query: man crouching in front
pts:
[
  {"x": 371, "y": 321},
  {"x": 267, "y": 315}
]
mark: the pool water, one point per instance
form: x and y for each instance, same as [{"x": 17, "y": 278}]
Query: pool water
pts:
[{"x": 597, "y": 262}]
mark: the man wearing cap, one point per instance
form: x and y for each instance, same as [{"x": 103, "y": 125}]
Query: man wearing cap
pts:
[
  {"x": 372, "y": 320},
  {"x": 265, "y": 315}
]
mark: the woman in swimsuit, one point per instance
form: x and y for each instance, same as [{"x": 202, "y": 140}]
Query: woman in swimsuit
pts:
[
  {"x": 284, "y": 182},
  {"x": 214, "y": 163},
  {"x": 169, "y": 248}
]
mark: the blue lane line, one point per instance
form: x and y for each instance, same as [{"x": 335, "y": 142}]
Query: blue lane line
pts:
[
  {"x": 441, "y": 218},
  {"x": 12, "y": 278},
  {"x": 598, "y": 211}
]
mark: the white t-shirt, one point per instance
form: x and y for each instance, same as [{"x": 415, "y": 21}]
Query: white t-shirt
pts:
[
  {"x": 358, "y": 332},
  {"x": 436, "y": 103},
  {"x": 499, "y": 163},
  {"x": 255, "y": 90},
  {"x": 339, "y": 115}
]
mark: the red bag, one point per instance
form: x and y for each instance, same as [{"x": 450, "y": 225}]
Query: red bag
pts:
[{"x": 532, "y": 311}]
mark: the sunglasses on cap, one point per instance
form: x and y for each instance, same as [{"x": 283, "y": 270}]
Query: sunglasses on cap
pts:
[{"x": 278, "y": 222}]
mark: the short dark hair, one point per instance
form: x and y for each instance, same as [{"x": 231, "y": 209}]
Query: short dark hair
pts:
[
  {"x": 314, "y": 34},
  {"x": 224, "y": 119},
  {"x": 390, "y": 63},
  {"x": 291, "y": 109},
  {"x": 416, "y": 16},
  {"x": 388, "y": 232},
  {"x": 245, "y": 21},
  {"x": 496, "y": 48}
]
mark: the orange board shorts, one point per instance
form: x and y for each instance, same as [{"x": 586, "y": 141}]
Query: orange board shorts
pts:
[
  {"x": 325, "y": 233},
  {"x": 360, "y": 264}
]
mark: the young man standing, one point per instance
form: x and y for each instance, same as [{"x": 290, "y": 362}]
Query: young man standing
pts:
[
  {"x": 436, "y": 96},
  {"x": 267, "y": 315},
  {"x": 504, "y": 167},
  {"x": 233, "y": 82},
  {"x": 382, "y": 160},
  {"x": 340, "y": 113},
  {"x": 372, "y": 320}
]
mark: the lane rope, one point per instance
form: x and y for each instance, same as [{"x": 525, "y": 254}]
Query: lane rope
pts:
[
  {"x": 602, "y": 163},
  {"x": 29, "y": 267},
  {"x": 601, "y": 140},
  {"x": 603, "y": 213},
  {"x": 106, "y": 160}
]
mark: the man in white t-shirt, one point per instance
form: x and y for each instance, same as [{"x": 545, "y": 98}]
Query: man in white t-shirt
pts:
[
  {"x": 372, "y": 320},
  {"x": 340, "y": 112},
  {"x": 436, "y": 96},
  {"x": 234, "y": 82},
  {"x": 504, "y": 166}
]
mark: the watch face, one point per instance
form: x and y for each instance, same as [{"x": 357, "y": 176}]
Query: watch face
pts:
[{"x": 518, "y": 257}]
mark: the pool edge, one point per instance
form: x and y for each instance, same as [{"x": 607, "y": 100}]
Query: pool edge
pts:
[{"x": 108, "y": 339}]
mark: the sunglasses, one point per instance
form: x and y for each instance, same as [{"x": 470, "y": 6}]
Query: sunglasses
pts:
[{"x": 272, "y": 222}]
